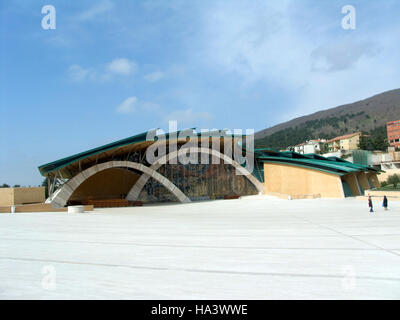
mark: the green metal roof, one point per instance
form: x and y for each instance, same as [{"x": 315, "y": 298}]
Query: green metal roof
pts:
[
  {"x": 141, "y": 137},
  {"x": 310, "y": 161},
  {"x": 58, "y": 164},
  {"x": 353, "y": 165},
  {"x": 332, "y": 165},
  {"x": 342, "y": 161}
]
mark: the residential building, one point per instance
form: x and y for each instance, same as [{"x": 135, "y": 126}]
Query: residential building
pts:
[
  {"x": 311, "y": 146},
  {"x": 393, "y": 133},
  {"x": 347, "y": 142}
]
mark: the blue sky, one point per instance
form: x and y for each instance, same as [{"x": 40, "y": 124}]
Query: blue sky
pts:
[{"x": 114, "y": 68}]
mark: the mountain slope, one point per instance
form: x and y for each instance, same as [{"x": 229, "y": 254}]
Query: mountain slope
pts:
[{"x": 366, "y": 115}]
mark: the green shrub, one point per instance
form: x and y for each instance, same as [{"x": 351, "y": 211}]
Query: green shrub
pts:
[{"x": 394, "y": 180}]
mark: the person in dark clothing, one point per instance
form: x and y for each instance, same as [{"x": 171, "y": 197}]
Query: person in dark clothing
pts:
[
  {"x": 385, "y": 202},
  {"x": 370, "y": 205}
]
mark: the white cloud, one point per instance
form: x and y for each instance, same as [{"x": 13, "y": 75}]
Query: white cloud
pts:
[
  {"x": 77, "y": 73},
  {"x": 94, "y": 11},
  {"x": 154, "y": 76},
  {"x": 341, "y": 55},
  {"x": 122, "y": 66},
  {"x": 132, "y": 104},
  {"x": 117, "y": 67},
  {"x": 127, "y": 106},
  {"x": 260, "y": 44},
  {"x": 320, "y": 64}
]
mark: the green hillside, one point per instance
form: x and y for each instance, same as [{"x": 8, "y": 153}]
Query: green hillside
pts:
[{"x": 368, "y": 116}]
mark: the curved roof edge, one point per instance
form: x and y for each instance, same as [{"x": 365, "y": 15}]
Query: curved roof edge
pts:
[
  {"x": 58, "y": 164},
  {"x": 335, "y": 166},
  {"x": 141, "y": 137}
]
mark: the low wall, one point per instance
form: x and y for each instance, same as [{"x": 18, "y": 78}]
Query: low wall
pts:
[
  {"x": 378, "y": 198},
  {"x": 29, "y": 195},
  {"x": 38, "y": 207},
  {"x": 6, "y": 196},
  {"x": 5, "y": 209},
  {"x": 293, "y": 196},
  {"x": 376, "y": 193},
  {"x": 16, "y": 196}
]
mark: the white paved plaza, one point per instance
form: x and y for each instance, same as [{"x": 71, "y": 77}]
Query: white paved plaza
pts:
[{"x": 252, "y": 248}]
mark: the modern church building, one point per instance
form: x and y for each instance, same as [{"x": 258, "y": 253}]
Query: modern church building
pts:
[{"x": 191, "y": 167}]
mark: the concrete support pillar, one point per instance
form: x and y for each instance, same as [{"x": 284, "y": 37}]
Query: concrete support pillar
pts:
[
  {"x": 352, "y": 181},
  {"x": 373, "y": 179},
  {"x": 363, "y": 181}
]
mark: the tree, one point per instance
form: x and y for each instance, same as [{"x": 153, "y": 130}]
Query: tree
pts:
[
  {"x": 366, "y": 143},
  {"x": 5, "y": 185},
  {"x": 374, "y": 142},
  {"x": 380, "y": 143},
  {"x": 324, "y": 148},
  {"x": 394, "y": 180}
]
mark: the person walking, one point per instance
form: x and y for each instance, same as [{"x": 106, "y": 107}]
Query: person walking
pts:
[
  {"x": 370, "y": 205},
  {"x": 385, "y": 202}
]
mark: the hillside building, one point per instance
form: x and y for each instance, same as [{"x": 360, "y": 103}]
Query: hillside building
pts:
[
  {"x": 311, "y": 146},
  {"x": 347, "y": 142},
  {"x": 387, "y": 162},
  {"x": 393, "y": 133}
]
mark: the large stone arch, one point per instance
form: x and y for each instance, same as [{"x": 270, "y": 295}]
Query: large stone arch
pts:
[
  {"x": 139, "y": 185},
  {"x": 61, "y": 197}
]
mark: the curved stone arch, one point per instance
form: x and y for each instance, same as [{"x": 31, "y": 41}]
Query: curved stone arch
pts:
[
  {"x": 139, "y": 185},
  {"x": 61, "y": 198}
]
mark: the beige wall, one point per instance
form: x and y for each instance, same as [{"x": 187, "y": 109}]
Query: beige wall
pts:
[
  {"x": 29, "y": 195},
  {"x": 38, "y": 207},
  {"x": 6, "y": 196},
  {"x": 345, "y": 144},
  {"x": 298, "y": 181},
  {"x": 15, "y": 196},
  {"x": 6, "y": 209},
  {"x": 350, "y": 144},
  {"x": 388, "y": 172}
]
